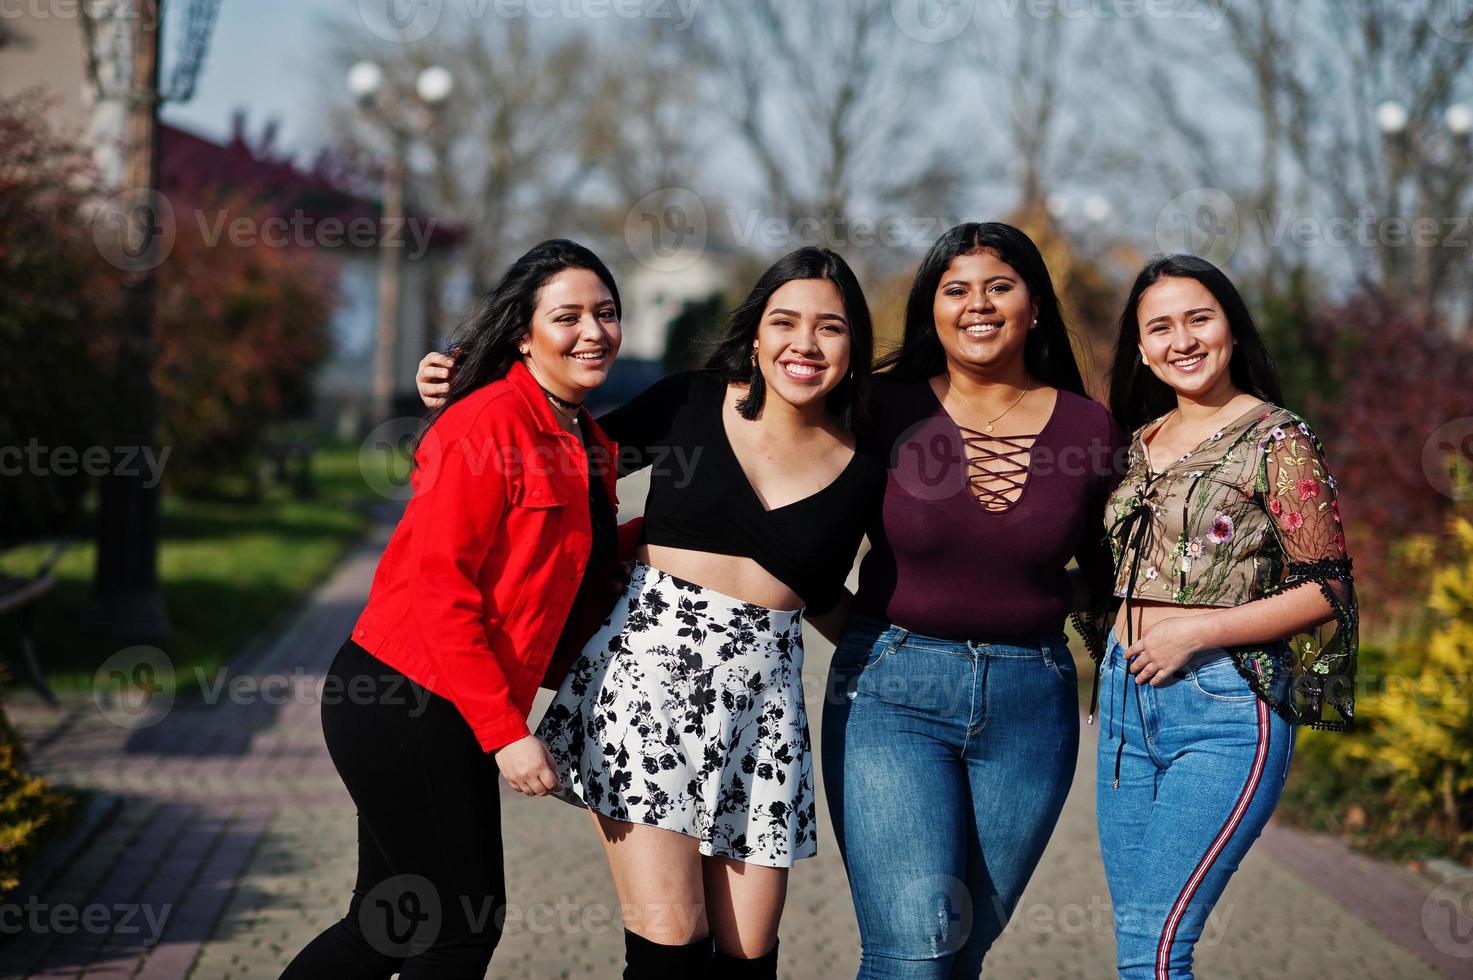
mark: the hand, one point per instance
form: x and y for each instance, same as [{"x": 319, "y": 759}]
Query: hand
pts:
[
  {"x": 619, "y": 577},
  {"x": 528, "y": 766},
  {"x": 433, "y": 378},
  {"x": 1164, "y": 648}
]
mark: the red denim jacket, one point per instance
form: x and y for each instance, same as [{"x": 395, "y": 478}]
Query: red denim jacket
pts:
[{"x": 480, "y": 575}]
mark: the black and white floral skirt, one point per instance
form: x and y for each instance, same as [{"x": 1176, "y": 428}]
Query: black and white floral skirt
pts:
[{"x": 686, "y": 712}]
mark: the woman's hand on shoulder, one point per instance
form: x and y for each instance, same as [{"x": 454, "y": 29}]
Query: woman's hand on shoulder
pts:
[{"x": 433, "y": 378}]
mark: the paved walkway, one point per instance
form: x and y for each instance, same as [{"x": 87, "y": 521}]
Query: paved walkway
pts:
[{"x": 224, "y": 841}]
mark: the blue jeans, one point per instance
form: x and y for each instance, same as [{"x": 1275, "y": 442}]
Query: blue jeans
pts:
[
  {"x": 945, "y": 764},
  {"x": 1202, "y": 768}
]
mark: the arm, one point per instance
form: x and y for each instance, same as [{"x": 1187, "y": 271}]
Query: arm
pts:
[
  {"x": 459, "y": 515},
  {"x": 1092, "y": 582},
  {"x": 642, "y": 426},
  {"x": 1304, "y": 513},
  {"x": 831, "y": 624}
]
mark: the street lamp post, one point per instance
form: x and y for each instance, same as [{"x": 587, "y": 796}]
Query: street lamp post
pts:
[
  {"x": 1438, "y": 162},
  {"x": 400, "y": 116}
]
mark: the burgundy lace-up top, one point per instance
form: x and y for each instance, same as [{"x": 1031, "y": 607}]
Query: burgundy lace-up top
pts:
[{"x": 966, "y": 551}]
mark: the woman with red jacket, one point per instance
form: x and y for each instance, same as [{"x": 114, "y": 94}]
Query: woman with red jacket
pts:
[{"x": 513, "y": 509}]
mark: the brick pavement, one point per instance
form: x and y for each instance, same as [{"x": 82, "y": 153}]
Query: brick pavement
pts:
[{"x": 230, "y": 824}]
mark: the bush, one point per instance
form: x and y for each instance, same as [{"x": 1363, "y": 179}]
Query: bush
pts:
[
  {"x": 241, "y": 331},
  {"x": 56, "y": 292},
  {"x": 1391, "y": 381},
  {"x": 28, "y": 807},
  {"x": 1402, "y": 782}
]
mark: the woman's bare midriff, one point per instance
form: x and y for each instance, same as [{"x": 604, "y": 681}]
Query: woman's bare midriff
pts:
[
  {"x": 740, "y": 578},
  {"x": 1148, "y": 613}
]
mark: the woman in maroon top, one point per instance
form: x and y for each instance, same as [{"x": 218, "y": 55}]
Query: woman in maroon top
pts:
[{"x": 951, "y": 722}]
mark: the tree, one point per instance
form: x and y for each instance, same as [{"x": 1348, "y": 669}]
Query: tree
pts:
[{"x": 824, "y": 103}]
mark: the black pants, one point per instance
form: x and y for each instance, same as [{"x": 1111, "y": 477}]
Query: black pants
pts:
[{"x": 431, "y": 890}]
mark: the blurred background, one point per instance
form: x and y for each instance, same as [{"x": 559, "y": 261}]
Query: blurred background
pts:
[{"x": 230, "y": 228}]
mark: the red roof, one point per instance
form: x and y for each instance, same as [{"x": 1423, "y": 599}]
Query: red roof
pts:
[{"x": 191, "y": 166}]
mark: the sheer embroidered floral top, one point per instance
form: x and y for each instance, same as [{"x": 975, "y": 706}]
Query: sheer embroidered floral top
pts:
[{"x": 1250, "y": 512}]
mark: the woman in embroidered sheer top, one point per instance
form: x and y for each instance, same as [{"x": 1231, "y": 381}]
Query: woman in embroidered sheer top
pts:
[
  {"x": 1249, "y": 513},
  {"x": 1217, "y": 651}
]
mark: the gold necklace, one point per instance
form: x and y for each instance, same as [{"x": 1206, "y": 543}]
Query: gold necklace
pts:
[{"x": 983, "y": 415}]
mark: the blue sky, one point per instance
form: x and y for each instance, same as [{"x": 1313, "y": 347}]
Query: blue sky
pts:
[{"x": 264, "y": 56}]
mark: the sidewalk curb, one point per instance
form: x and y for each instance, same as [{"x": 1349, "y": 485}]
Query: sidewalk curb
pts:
[{"x": 1388, "y": 897}]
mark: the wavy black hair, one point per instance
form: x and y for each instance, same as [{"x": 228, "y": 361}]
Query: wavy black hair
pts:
[
  {"x": 1136, "y": 395},
  {"x": 487, "y": 344},
  {"x": 1047, "y": 354},
  {"x": 732, "y": 356}
]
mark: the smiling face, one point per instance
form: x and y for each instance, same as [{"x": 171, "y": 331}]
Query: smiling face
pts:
[
  {"x": 574, "y": 335},
  {"x": 983, "y": 312},
  {"x": 803, "y": 342},
  {"x": 1185, "y": 337}
]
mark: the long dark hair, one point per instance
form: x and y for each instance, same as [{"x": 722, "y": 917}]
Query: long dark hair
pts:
[
  {"x": 488, "y": 342},
  {"x": 1136, "y": 395},
  {"x": 732, "y": 357},
  {"x": 1047, "y": 354}
]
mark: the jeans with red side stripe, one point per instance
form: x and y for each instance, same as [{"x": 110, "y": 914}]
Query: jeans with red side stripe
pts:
[{"x": 1201, "y": 769}]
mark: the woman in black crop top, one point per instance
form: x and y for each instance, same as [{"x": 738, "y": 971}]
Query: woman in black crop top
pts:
[{"x": 685, "y": 712}]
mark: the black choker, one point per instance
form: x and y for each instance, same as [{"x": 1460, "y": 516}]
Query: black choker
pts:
[{"x": 567, "y": 405}]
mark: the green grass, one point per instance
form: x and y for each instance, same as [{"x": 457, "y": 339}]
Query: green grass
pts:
[{"x": 228, "y": 569}]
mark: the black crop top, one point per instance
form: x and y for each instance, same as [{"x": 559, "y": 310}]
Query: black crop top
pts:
[{"x": 700, "y": 498}]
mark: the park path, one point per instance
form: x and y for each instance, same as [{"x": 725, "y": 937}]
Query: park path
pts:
[{"x": 228, "y": 823}]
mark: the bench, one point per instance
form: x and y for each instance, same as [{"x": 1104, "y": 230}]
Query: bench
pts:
[{"x": 19, "y": 595}]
